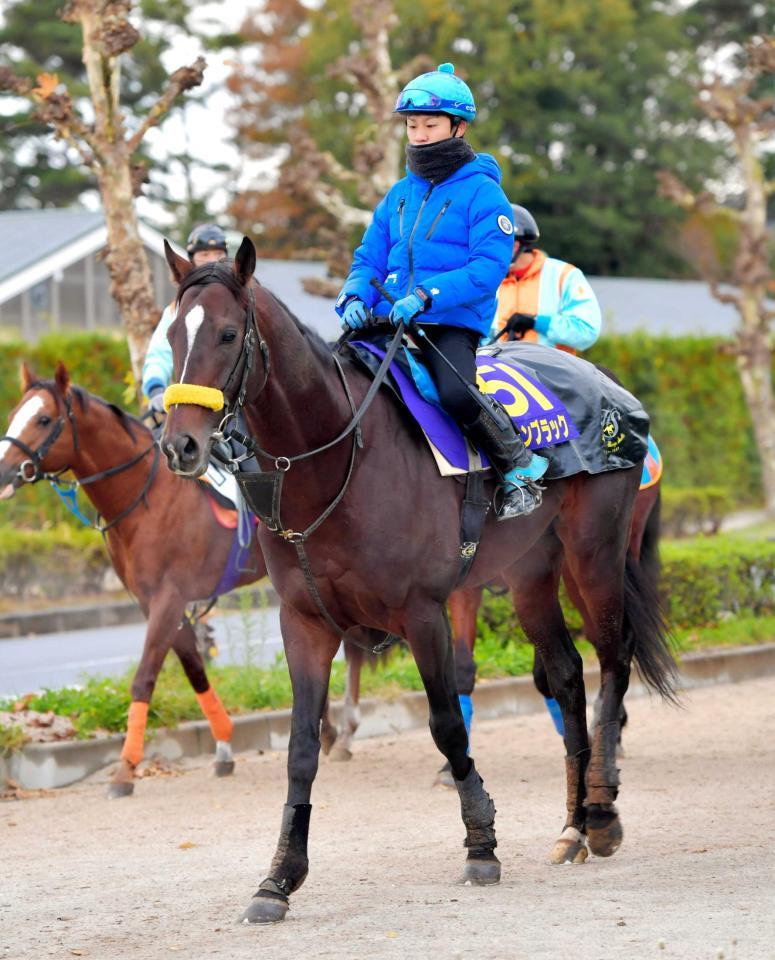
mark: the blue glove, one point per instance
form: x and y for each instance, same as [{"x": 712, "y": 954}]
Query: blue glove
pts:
[
  {"x": 356, "y": 314},
  {"x": 405, "y": 309}
]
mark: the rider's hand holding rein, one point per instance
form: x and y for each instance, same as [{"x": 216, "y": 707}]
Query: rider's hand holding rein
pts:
[
  {"x": 407, "y": 309},
  {"x": 156, "y": 399},
  {"x": 356, "y": 314}
]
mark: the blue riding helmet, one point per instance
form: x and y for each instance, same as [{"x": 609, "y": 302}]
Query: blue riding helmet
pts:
[{"x": 439, "y": 91}]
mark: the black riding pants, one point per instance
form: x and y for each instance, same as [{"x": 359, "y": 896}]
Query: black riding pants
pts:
[{"x": 459, "y": 346}]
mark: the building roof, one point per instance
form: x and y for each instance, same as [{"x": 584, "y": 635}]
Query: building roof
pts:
[
  {"x": 671, "y": 307},
  {"x": 38, "y": 243}
]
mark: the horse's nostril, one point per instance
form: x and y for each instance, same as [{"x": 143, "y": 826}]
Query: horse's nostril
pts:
[{"x": 186, "y": 448}]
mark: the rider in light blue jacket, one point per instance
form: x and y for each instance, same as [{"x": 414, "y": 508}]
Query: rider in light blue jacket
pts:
[
  {"x": 206, "y": 243},
  {"x": 440, "y": 242}
]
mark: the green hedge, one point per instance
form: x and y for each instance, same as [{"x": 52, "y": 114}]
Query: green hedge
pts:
[
  {"x": 704, "y": 582},
  {"x": 59, "y": 562},
  {"x": 691, "y": 389},
  {"x": 97, "y": 361},
  {"x": 689, "y": 385},
  {"x": 694, "y": 510}
]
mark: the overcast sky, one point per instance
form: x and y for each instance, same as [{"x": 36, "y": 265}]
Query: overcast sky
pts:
[{"x": 205, "y": 128}]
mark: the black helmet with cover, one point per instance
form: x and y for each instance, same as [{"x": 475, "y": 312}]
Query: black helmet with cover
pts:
[
  {"x": 206, "y": 236},
  {"x": 525, "y": 227}
]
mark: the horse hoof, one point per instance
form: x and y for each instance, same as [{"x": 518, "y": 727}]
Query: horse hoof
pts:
[
  {"x": 265, "y": 910},
  {"x": 223, "y": 768},
  {"x": 481, "y": 873},
  {"x": 119, "y": 789},
  {"x": 444, "y": 778},
  {"x": 604, "y": 831},
  {"x": 570, "y": 848},
  {"x": 327, "y": 739},
  {"x": 340, "y": 754}
]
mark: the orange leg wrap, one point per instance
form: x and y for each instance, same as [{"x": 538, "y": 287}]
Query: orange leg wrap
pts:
[
  {"x": 135, "y": 732},
  {"x": 213, "y": 709}
]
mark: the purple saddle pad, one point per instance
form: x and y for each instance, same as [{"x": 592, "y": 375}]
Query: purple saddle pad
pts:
[{"x": 540, "y": 416}]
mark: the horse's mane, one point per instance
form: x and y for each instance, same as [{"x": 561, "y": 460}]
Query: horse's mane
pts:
[
  {"x": 128, "y": 422},
  {"x": 221, "y": 272}
]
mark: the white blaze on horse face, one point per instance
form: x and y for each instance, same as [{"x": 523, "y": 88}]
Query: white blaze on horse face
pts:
[
  {"x": 26, "y": 412},
  {"x": 194, "y": 319}
]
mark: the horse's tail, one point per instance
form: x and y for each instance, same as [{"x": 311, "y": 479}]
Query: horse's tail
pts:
[{"x": 646, "y": 629}]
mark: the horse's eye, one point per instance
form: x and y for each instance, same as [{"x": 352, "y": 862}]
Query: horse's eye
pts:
[
  {"x": 44, "y": 420},
  {"x": 228, "y": 336}
]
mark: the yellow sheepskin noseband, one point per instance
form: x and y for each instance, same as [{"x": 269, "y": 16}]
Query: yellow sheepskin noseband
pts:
[{"x": 192, "y": 393}]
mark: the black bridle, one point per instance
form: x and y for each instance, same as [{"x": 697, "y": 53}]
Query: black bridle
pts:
[
  {"x": 263, "y": 490},
  {"x": 36, "y": 458}
]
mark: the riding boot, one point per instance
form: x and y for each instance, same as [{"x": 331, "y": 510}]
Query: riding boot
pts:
[{"x": 519, "y": 469}]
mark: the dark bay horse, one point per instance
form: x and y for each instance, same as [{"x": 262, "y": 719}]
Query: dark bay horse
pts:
[
  {"x": 150, "y": 514},
  {"x": 366, "y": 536}
]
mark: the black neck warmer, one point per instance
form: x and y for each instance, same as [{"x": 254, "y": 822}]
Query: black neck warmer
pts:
[{"x": 437, "y": 161}]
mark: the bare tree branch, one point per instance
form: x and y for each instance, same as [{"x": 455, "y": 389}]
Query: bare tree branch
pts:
[
  {"x": 723, "y": 297},
  {"x": 184, "y": 78}
]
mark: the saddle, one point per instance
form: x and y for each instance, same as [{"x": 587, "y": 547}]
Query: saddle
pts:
[{"x": 578, "y": 418}]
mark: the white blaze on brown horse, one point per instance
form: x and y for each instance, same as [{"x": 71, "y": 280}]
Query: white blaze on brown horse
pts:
[{"x": 389, "y": 556}]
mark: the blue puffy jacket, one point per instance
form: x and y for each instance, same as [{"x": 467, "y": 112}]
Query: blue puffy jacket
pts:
[{"x": 454, "y": 240}]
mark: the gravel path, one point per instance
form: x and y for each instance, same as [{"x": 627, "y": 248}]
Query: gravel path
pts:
[{"x": 168, "y": 871}]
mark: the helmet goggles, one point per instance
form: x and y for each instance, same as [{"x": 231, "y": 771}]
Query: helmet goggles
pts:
[{"x": 416, "y": 100}]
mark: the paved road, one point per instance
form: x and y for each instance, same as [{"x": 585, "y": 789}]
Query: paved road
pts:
[
  {"x": 166, "y": 873},
  {"x": 61, "y": 659}
]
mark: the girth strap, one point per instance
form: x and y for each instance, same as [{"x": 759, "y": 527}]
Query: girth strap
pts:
[{"x": 473, "y": 514}]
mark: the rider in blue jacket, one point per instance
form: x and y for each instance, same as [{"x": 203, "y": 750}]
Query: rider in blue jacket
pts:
[
  {"x": 206, "y": 243},
  {"x": 440, "y": 242}
]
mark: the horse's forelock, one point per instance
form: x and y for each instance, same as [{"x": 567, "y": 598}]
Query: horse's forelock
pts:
[{"x": 219, "y": 272}]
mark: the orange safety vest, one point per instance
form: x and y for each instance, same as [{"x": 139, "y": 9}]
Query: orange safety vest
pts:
[{"x": 521, "y": 295}]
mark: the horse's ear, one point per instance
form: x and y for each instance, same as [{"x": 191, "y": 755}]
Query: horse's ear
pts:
[
  {"x": 26, "y": 377},
  {"x": 245, "y": 261},
  {"x": 62, "y": 378},
  {"x": 178, "y": 265}
]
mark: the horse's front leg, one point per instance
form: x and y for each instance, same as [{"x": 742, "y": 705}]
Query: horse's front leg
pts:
[
  {"x": 310, "y": 647},
  {"x": 431, "y": 646},
  {"x": 164, "y": 612},
  {"x": 463, "y": 609}
]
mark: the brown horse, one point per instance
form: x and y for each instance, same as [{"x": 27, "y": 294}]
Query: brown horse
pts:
[
  {"x": 148, "y": 513},
  {"x": 364, "y": 533}
]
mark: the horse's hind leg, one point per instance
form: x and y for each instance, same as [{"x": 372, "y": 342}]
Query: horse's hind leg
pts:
[
  {"x": 596, "y": 546},
  {"x": 310, "y": 647},
  {"x": 351, "y": 714},
  {"x": 534, "y": 581},
  {"x": 221, "y": 726},
  {"x": 431, "y": 646}
]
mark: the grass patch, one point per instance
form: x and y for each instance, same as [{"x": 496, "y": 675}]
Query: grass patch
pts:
[
  {"x": 12, "y": 738},
  {"x": 102, "y": 704}
]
